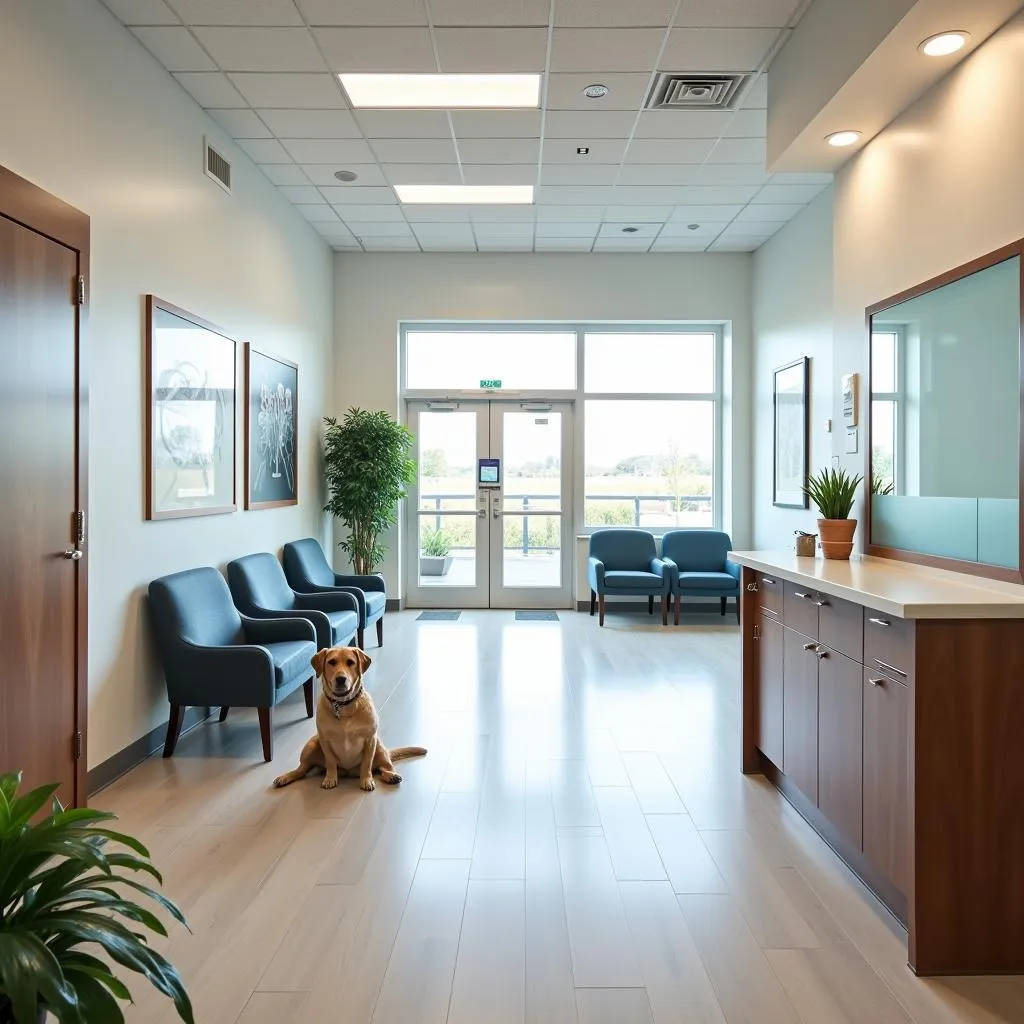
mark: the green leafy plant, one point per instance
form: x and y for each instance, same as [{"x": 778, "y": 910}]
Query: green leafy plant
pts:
[
  {"x": 833, "y": 491},
  {"x": 435, "y": 544},
  {"x": 879, "y": 486},
  {"x": 62, "y": 887},
  {"x": 367, "y": 465}
]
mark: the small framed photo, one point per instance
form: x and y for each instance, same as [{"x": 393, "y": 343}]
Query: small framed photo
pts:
[
  {"x": 849, "y": 395},
  {"x": 271, "y": 430},
  {"x": 791, "y": 434},
  {"x": 191, "y": 385}
]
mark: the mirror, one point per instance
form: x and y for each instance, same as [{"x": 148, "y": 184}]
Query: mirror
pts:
[{"x": 945, "y": 391}]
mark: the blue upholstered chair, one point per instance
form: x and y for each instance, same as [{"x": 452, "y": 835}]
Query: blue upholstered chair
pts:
[
  {"x": 213, "y": 656},
  {"x": 308, "y": 572},
  {"x": 700, "y": 568},
  {"x": 260, "y": 590},
  {"x": 625, "y": 563}
]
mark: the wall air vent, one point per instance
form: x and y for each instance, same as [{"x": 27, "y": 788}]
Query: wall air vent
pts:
[
  {"x": 217, "y": 167},
  {"x": 695, "y": 90}
]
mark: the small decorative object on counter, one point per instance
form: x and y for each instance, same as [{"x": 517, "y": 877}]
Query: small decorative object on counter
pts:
[
  {"x": 805, "y": 543},
  {"x": 833, "y": 491}
]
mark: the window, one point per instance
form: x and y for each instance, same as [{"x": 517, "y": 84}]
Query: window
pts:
[
  {"x": 885, "y": 409},
  {"x": 643, "y": 364}
]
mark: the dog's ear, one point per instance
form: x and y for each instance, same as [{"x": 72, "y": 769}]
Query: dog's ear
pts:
[
  {"x": 317, "y": 661},
  {"x": 364, "y": 660}
]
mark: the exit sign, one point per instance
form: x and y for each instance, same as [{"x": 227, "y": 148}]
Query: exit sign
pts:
[{"x": 490, "y": 385}]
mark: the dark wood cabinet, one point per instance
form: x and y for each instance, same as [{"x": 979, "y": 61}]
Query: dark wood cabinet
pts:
[
  {"x": 801, "y": 609},
  {"x": 800, "y": 712},
  {"x": 841, "y": 626},
  {"x": 840, "y": 739},
  {"x": 769, "y": 591},
  {"x": 770, "y": 689},
  {"x": 889, "y": 644}
]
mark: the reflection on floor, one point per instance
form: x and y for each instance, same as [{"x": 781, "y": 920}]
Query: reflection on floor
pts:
[
  {"x": 578, "y": 846},
  {"x": 537, "y": 569}
]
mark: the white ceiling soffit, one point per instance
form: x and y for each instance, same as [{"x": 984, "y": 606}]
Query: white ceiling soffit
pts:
[{"x": 855, "y": 65}]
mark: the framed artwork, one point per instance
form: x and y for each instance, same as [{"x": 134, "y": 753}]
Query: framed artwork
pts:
[
  {"x": 191, "y": 385},
  {"x": 849, "y": 395},
  {"x": 791, "y": 434},
  {"x": 271, "y": 430}
]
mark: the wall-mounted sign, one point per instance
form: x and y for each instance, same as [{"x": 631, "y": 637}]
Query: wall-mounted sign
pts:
[
  {"x": 490, "y": 385},
  {"x": 849, "y": 393},
  {"x": 489, "y": 472}
]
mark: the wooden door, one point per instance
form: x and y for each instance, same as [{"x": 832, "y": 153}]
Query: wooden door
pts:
[
  {"x": 886, "y": 777},
  {"x": 840, "y": 735},
  {"x": 40, "y": 559},
  {"x": 800, "y": 719},
  {"x": 769, "y": 689}
]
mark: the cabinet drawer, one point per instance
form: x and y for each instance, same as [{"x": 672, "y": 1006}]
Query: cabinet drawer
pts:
[
  {"x": 800, "y": 610},
  {"x": 769, "y": 593},
  {"x": 889, "y": 644},
  {"x": 841, "y": 626},
  {"x": 840, "y": 743}
]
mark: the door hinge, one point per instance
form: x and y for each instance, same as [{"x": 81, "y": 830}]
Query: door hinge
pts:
[
  {"x": 757, "y": 632},
  {"x": 80, "y": 290},
  {"x": 78, "y": 746},
  {"x": 80, "y": 526}
]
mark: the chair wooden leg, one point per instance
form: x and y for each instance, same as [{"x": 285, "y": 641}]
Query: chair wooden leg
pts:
[
  {"x": 650, "y": 605},
  {"x": 600, "y": 610},
  {"x": 307, "y": 690},
  {"x": 679, "y": 602},
  {"x": 723, "y": 605},
  {"x": 360, "y": 638},
  {"x": 173, "y": 728},
  {"x": 266, "y": 732},
  {"x": 593, "y": 602},
  {"x": 664, "y": 610},
  {"x": 224, "y": 714},
  {"x": 380, "y": 631}
]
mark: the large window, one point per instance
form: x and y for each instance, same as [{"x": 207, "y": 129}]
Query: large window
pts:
[{"x": 886, "y": 419}]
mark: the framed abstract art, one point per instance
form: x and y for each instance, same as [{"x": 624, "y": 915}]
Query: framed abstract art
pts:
[
  {"x": 791, "y": 434},
  {"x": 271, "y": 430}
]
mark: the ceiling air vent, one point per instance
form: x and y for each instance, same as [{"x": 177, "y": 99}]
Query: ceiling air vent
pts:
[
  {"x": 217, "y": 167},
  {"x": 696, "y": 90}
]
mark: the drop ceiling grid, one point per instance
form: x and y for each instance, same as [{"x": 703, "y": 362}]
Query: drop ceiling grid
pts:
[{"x": 277, "y": 54}]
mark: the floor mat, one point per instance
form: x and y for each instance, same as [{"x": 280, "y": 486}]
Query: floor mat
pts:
[
  {"x": 438, "y": 616},
  {"x": 536, "y": 616}
]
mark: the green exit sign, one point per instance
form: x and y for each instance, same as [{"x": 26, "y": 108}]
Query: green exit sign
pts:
[{"x": 490, "y": 385}]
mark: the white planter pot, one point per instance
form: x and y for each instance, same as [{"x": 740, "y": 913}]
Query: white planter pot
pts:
[{"x": 435, "y": 565}]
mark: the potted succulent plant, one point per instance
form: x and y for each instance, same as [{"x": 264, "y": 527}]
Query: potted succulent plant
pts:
[
  {"x": 434, "y": 557},
  {"x": 64, "y": 888},
  {"x": 833, "y": 491}
]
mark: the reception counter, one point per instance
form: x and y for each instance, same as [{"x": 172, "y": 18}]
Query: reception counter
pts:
[{"x": 886, "y": 702}]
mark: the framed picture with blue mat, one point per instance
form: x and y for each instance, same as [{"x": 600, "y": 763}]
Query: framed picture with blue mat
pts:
[{"x": 271, "y": 430}]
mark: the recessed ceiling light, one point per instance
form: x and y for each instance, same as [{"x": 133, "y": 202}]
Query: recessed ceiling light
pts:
[
  {"x": 847, "y": 138},
  {"x": 631, "y": 231},
  {"x": 595, "y": 91},
  {"x": 346, "y": 175},
  {"x": 944, "y": 43},
  {"x": 447, "y": 92},
  {"x": 464, "y": 193},
  {"x": 692, "y": 227}
]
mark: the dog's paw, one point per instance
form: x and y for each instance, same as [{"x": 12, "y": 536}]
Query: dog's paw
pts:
[
  {"x": 391, "y": 778},
  {"x": 330, "y": 782},
  {"x": 368, "y": 785},
  {"x": 281, "y": 780}
]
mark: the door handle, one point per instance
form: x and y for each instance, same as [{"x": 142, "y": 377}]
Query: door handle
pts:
[{"x": 73, "y": 554}]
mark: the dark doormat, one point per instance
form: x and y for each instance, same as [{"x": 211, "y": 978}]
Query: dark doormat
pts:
[
  {"x": 536, "y": 616},
  {"x": 433, "y": 616}
]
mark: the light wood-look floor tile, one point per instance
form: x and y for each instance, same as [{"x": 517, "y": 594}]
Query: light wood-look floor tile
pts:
[{"x": 613, "y": 1006}]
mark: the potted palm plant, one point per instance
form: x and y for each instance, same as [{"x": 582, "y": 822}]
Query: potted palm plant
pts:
[
  {"x": 833, "y": 492},
  {"x": 434, "y": 557},
  {"x": 63, "y": 889}
]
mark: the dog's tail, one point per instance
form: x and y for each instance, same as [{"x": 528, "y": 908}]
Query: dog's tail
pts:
[{"x": 401, "y": 753}]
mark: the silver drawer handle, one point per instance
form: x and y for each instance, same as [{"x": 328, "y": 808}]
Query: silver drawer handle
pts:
[
  {"x": 770, "y": 582},
  {"x": 801, "y": 594},
  {"x": 877, "y": 682},
  {"x": 821, "y": 603},
  {"x": 810, "y": 647},
  {"x": 880, "y": 622},
  {"x": 822, "y": 654},
  {"x": 890, "y": 668}
]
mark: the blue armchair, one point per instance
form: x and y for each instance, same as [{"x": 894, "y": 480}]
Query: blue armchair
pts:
[
  {"x": 260, "y": 590},
  {"x": 308, "y": 572},
  {"x": 700, "y": 567},
  {"x": 625, "y": 563},
  {"x": 212, "y": 655}
]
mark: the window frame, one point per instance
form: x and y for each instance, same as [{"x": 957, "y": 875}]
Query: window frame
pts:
[{"x": 897, "y": 398}]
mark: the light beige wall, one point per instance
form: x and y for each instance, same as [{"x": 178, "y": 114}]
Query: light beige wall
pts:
[{"x": 90, "y": 116}]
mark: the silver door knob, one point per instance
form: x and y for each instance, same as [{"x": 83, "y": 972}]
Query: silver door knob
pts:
[{"x": 73, "y": 554}]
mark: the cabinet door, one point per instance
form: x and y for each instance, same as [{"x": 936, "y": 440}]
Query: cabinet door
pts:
[
  {"x": 886, "y": 776},
  {"x": 769, "y": 689},
  {"x": 800, "y": 718},
  {"x": 840, "y": 737},
  {"x": 800, "y": 609}
]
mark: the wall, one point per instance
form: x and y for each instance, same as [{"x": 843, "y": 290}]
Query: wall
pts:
[
  {"x": 792, "y": 309},
  {"x": 373, "y": 293},
  {"x": 91, "y": 117}
]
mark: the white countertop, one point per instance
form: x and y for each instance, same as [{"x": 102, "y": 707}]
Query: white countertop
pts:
[{"x": 902, "y": 589}]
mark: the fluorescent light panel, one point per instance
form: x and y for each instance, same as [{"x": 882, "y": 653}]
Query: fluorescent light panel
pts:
[
  {"x": 447, "y": 92},
  {"x": 464, "y": 193}
]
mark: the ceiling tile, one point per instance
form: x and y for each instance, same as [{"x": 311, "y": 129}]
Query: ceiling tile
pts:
[
  {"x": 625, "y": 91},
  {"x": 563, "y": 244},
  {"x": 628, "y": 214},
  {"x": 767, "y": 212},
  {"x": 367, "y": 212},
  {"x": 668, "y": 151},
  {"x": 488, "y": 244},
  {"x": 492, "y": 50},
  {"x": 237, "y": 12},
  {"x": 317, "y": 213},
  {"x": 689, "y": 214},
  {"x": 443, "y": 213},
  {"x": 422, "y": 174},
  {"x": 704, "y": 230},
  {"x": 142, "y": 12},
  {"x": 736, "y": 13},
  {"x": 563, "y": 214},
  {"x": 377, "y": 229},
  {"x": 657, "y": 174},
  {"x": 390, "y": 245},
  {"x": 241, "y": 124},
  {"x": 747, "y": 124},
  {"x": 362, "y": 195},
  {"x": 175, "y": 49},
  {"x": 447, "y": 232},
  {"x": 676, "y": 244},
  {"x": 503, "y": 229},
  {"x": 736, "y": 245},
  {"x": 290, "y": 91},
  {"x": 801, "y": 179},
  {"x": 496, "y": 124},
  {"x": 740, "y": 151},
  {"x": 335, "y": 232},
  {"x": 499, "y": 151},
  {"x": 499, "y": 174},
  {"x": 377, "y": 49},
  {"x": 644, "y": 229},
  {"x": 624, "y": 243},
  {"x": 210, "y": 89},
  {"x": 404, "y": 124},
  {"x": 311, "y": 124},
  {"x": 579, "y": 174},
  {"x": 588, "y": 124},
  {"x": 323, "y": 174},
  {"x": 774, "y": 193},
  {"x": 602, "y": 151},
  {"x": 415, "y": 151},
  {"x": 489, "y": 12},
  {"x": 625, "y": 49},
  {"x": 567, "y": 229},
  {"x": 340, "y": 152},
  {"x": 717, "y": 49},
  {"x": 682, "y": 124},
  {"x": 662, "y": 195},
  {"x": 752, "y": 228},
  {"x": 573, "y": 195},
  {"x": 265, "y": 151},
  {"x": 710, "y": 195},
  {"x": 614, "y": 12},
  {"x": 284, "y": 174},
  {"x": 730, "y": 174},
  {"x": 756, "y": 95},
  {"x": 261, "y": 49},
  {"x": 481, "y": 213},
  {"x": 442, "y": 245},
  {"x": 363, "y": 12},
  {"x": 301, "y": 194}
]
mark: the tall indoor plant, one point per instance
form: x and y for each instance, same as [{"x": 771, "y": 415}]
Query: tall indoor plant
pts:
[
  {"x": 834, "y": 491},
  {"x": 64, "y": 887},
  {"x": 367, "y": 464}
]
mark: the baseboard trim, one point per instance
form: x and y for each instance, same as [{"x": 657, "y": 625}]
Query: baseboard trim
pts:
[
  {"x": 688, "y": 608},
  {"x": 393, "y": 605},
  {"x": 135, "y": 753}
]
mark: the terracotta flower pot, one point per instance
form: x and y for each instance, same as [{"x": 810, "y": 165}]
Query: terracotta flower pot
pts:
[{"x": 836, "y": 537}]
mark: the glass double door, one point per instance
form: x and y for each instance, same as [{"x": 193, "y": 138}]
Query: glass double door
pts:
[{"x": 491, "y": 510}]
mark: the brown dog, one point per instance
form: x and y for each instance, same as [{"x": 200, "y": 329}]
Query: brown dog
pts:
[{"x": 346, "y": 739}]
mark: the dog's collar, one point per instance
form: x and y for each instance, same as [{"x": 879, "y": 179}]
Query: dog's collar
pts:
[{"x": 337, "y": 705}]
